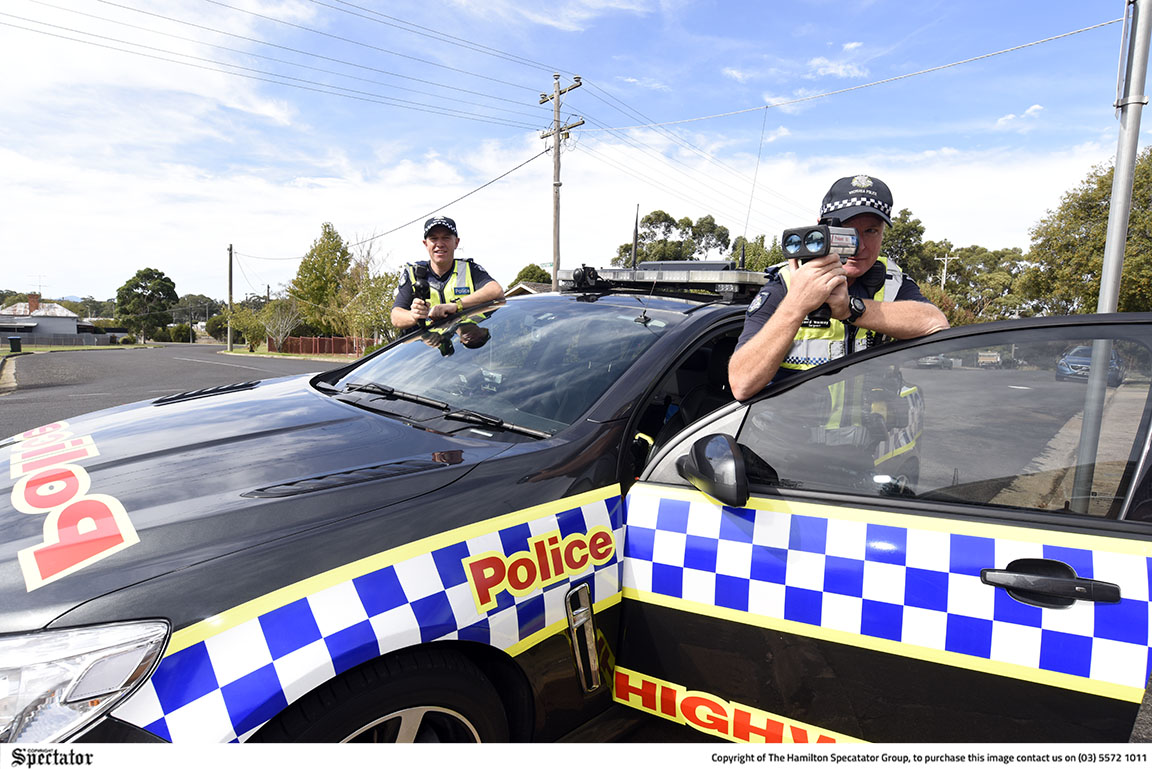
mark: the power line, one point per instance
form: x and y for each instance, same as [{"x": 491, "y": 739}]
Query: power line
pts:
[
  {"x": 488, "y": 183},
  {"x": 297, "y": 51},
  {"x": 874, "y": 83},
  {"x": 443, "y": 37},
  {"x": 690, "y": 146},
  {"x": 366, "y": 45},
  {"x": 281, "y": 61},
  {"x": 320, "y": 87}
]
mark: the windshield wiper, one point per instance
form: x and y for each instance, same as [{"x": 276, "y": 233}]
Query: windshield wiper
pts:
[
  {"x": 384, "y": 391},
  {"x": 476, "y": 418}
]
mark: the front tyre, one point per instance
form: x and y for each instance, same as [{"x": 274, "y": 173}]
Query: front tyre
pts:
[{"x": 420, "y": 695}]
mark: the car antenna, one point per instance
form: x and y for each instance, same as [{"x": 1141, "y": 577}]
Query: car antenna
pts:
[{"x": 643, "y": 318}]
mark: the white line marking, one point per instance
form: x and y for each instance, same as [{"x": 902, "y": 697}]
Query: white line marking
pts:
[
  {"x": 1018, "y": 387},
  {"x": 218, "y": 363}
]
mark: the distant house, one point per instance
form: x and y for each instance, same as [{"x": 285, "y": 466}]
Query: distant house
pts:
[
  {"x": 44, "y": 320},
  {"x": 525, "y": 288}
]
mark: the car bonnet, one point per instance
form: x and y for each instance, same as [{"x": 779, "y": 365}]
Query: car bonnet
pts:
[{"x": 93, "y": 504}]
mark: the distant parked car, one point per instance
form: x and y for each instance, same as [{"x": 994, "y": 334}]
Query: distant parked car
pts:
[
  {"x": 934, "y": 361},
  {"x": 1077, "y": 363}
]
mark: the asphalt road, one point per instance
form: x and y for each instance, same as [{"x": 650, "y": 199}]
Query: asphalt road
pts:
[{"x": 60, "y": 385}]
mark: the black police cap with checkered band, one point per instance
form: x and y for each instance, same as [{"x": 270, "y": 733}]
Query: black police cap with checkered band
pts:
[{"x": 860, "y": 194}]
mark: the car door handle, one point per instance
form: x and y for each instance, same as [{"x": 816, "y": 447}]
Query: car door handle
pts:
[{"x": 1047, "y": 583}]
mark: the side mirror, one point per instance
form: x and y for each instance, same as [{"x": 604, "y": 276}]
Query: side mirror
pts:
[{"x": 715, "y": 466}]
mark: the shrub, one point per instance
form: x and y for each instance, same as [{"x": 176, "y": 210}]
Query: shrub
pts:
[
  {"x": 127, "y": 339},
  {"x": 181, "y": 332},
  {"x": 374, "y": 347}
]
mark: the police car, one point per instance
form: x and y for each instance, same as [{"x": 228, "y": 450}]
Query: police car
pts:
[{"x": 503, "y": 526}]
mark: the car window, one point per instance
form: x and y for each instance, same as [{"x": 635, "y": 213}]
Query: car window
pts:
[
  {"x": 933, "y": 423},
  {"x": 540, "y": 363}
]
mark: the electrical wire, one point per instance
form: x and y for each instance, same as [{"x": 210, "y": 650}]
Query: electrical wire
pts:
[
  {"x": 437, "y": 35},
  {"x": 301, "y": 83},
  {"x": 789, "y": 202},
  {"x": 296, "y": 50},
  {"x": 441, "y": 207},
  {"x": 369, "y": 45},
  {"x": 756, "y": 173},
  {"x": 885, "y": 81},
  {"x": 281, "y": 61}
]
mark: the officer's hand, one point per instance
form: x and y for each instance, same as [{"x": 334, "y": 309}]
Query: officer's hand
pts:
[
  {"x": 814, "y": 281},
  {"x": 419, "y": 309},
  {"x": 439, "y": 311},
  {"x": 838, "y": 302}
]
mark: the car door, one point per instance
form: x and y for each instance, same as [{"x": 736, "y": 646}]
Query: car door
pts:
[{"x": 947, "y": 554}]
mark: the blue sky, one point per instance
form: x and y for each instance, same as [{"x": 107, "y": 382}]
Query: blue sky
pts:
[{"x": 252, "y": 122}]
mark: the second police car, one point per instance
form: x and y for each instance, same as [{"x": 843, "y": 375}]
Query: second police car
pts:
[{"x": 496, "y": 529}]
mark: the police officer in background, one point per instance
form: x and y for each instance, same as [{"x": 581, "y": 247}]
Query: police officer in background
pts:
[
  {"x": 454, "y": 284},
  {"x": 869, "y": 298}
]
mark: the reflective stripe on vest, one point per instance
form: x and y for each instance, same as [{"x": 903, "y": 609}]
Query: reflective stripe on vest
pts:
[
  {"x": 813, "y": 346},
  {"x": 461, "y": 277}
]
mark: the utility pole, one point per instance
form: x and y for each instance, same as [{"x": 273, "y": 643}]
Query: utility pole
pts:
[
  {"x": 229, "y": 297},
  {"x": 558, "y": 134},
  {"x": 1130, "y": 101},
  {"x": 945, "y": 259}
]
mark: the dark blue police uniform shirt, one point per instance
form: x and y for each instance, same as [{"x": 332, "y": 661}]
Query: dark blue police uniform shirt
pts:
[
  {"x": 404, "y": 295},
  {"x": 770, "y": 296}
]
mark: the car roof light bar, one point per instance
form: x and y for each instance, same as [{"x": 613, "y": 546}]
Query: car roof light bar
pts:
[{"x": 717, "y": 277}]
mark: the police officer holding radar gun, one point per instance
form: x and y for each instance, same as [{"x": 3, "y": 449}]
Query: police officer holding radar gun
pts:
[
  {"x": 835, "y": 295},
  {"x": 443, "y": 285}
]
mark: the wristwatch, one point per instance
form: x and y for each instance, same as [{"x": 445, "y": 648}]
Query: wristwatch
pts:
[{"x": 855, "y": 308}]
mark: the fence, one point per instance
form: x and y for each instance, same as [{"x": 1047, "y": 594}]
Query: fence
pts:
[
  {"x": 59, "y": 340},
  {"x": 321, "y": 345}
]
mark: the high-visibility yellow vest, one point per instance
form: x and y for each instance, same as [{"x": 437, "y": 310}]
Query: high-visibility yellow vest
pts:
[
  {"x": 460, "y": 281},
  {"x": 813, "y": 346}
]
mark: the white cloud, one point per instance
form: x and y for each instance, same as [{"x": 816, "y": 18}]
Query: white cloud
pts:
[
  {"x": 1020, "y": 123},
  {"x": 851, "y": 46},
  {"x": 782, "y": 103},
  {"x": 735, "y": 74},
  {"x": 568, "y": 15},
  {"x": 823, "y": 66},
  {"x": 645, "y": 82}
]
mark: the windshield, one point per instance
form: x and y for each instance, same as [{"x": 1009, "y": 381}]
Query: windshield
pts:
[{"x": 538, "y": 363}]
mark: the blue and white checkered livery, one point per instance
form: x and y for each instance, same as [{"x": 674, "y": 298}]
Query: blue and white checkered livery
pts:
[
  {"x": 908, "y": 589},
  {"x": 226, "y": 684}
]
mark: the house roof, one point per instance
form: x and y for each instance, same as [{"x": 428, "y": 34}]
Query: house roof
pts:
[
  {"x": 46, "y": 310},
  {"x": 524, "y": 288}
]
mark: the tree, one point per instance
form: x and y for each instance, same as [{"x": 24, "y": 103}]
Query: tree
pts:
[
  {"x": 987, "y": 283},
  {"x": 903, "y": 242},
  {"x": 319, "y": 279},
  {"x": 532, "y": 273},
  {"x": 757, "y": 256},
  {"x": 217, "y": 328},
  {"x": 956, "y": 315},
  {"x": 143, "y": 301},
  {"x": 197, "y": 307},
  {"x": 367, "y": 296},
  {"x": 1067, "y": 253},
  {"x": 250, "y": 325},
  {"x": 709, "y": 236},
  {"x": 664, "y": 239},
  {"x": 279, "y": 317},
  {"x": 9, "y": 297}
]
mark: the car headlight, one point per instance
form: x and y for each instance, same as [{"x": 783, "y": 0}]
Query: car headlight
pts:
[{"x": 54, "y": 683}]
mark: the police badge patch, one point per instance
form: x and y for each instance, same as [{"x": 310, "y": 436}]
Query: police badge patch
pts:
[{"x": 757, "y": 302}]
